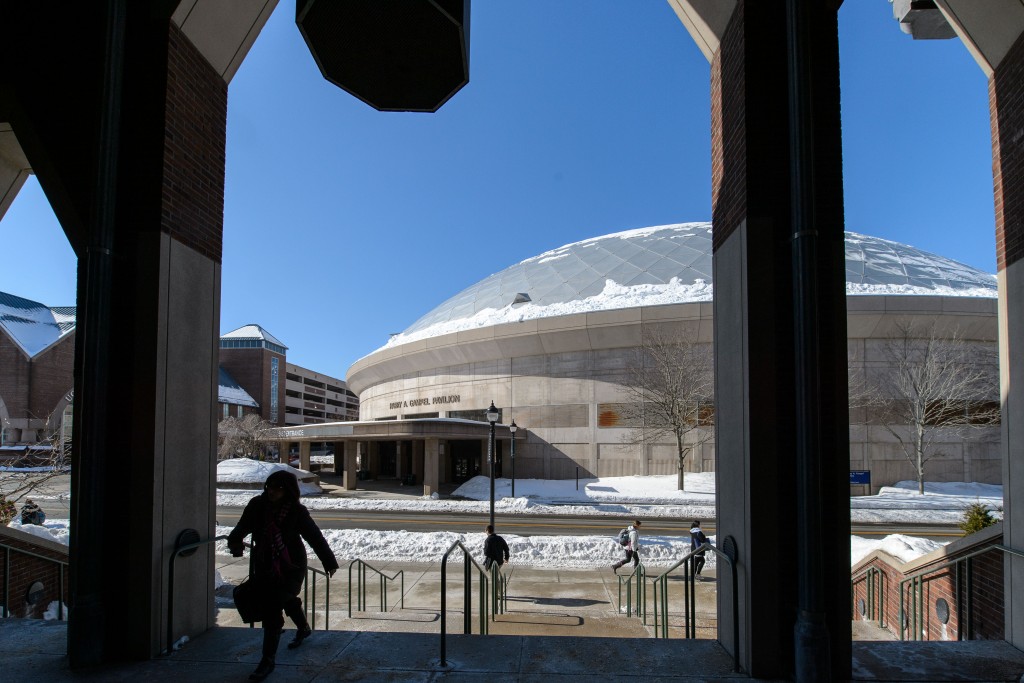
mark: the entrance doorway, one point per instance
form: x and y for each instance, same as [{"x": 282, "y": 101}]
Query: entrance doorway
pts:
[{"x": 465, "y": 460}]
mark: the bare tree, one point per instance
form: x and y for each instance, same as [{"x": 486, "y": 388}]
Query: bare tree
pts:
[
  {"x": 670, "y": 390},
  {"x": 39, "y": 463},
  {"x": 931, "y": 385},
  {"x": 242, "y": 437}
]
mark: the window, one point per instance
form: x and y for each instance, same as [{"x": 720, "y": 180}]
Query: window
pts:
[
  {"x": 274, "y": 363},
  {"x": 239, "y": 411},
  {"x": 226, "y": 409}
]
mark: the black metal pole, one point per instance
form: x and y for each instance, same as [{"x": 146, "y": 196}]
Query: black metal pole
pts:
[
  {"x": 513, "y": 464},
  {"x": 490, "y": 461},
  {"x": 812, "y": 660}
]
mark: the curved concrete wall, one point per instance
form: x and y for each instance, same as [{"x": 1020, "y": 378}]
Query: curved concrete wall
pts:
[{"x": 556, "y": 376}]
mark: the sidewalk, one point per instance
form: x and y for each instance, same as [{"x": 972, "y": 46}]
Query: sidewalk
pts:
[{"x": 540, "y": 602}]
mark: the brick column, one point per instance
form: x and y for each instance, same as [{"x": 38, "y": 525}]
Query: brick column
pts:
[
  {"x": 757, "y": 427},
  {"x": 1006, "y": 102}
]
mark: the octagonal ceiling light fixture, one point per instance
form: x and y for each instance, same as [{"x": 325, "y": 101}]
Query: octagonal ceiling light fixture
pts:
[{"x": 395, "y": 55}]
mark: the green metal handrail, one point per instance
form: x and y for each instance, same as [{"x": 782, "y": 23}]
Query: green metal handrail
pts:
[
  {"x": 499, "y": 589},
  {"x": 964, "y": 563},
  {"x": 690, "y": 598},
  {"x": 61, "y": 566},
  {"x": 327, "y": 597},
  {"x": 467, "y": 619},
  {"x": 361, "y": 584},
  {"x": 874, "y": 587},
  {"x": 639, "y": 577}
]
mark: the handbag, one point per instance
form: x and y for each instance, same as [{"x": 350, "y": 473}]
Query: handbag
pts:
[{"x": 247, "y": 601}]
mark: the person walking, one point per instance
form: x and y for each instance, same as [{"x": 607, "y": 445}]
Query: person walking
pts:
[
  {"x": 697, "y": 539},
  {"x": 278, "y": 523},
  {"x": 632, "y": 546},
  {"x": 495, "y": 549}
]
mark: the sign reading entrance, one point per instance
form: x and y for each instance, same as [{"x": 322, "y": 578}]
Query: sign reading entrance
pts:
[
  {"x": 433, "y": 401},
  {"x": 860, "y": 477}
]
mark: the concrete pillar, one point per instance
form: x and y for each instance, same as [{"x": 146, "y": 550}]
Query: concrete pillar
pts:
[
  {"x": 485, "y": 460},
  {"x": 399, "y": 465},
  {"x": 282, "y": 450},
  {"x": 304, "y": 455},
  {"x": 349, "y": 467},
  {"x": 431, "y": 455},
  {"x": 761, "y": 349}
]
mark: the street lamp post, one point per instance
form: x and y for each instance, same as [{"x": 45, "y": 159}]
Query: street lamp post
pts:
[
  {"x": 512, "y": 428},
  {"x": 492, "y": 417}
]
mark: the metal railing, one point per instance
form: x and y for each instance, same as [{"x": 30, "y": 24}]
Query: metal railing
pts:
[
  {"x": 187, "y": 543},
  {"x": 61, "y": 567},
  {"x": 727, "y": 553},
  {"x": 361, "y": 584},
  {"x": 467, "y": 617},
  {"x": 874, "y": 593},
  {"x": 963, "y": 574},
  {"x": 638, "y": 577},
  {"x": 499, "y": 589}
]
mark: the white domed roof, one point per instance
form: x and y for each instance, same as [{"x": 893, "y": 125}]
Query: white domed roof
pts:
[{"x": 668, "y": 264}]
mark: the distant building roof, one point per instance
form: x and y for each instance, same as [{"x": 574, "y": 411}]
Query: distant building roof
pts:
[
  {"x": 668, "y": 264},
  {"x": 252, "y": 336},
  {"x": 230, "y": 391},
  {"x": 33, "y": 326}
]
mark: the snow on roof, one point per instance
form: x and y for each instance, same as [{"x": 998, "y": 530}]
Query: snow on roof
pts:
[
  {"x": 33, "y": 326},
  {"x": 253, "y": 331},
  {"x": 669, "y": 264},
  {"x": 230, "y": 391}
]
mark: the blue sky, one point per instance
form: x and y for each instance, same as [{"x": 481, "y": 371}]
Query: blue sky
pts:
[{"x": 582, "y": 117}]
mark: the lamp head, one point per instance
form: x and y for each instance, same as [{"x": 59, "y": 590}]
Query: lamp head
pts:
[
  {"x": 513, "y": 427},
  {"x": 492, "y": 414}
]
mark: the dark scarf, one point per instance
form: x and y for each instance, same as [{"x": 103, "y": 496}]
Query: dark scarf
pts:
[{"x": 273, "y": 540}]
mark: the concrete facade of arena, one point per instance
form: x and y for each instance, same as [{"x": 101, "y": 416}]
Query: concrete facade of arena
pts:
[{"x": 561, "y": 380}]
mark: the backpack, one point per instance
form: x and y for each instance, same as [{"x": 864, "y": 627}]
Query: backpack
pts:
[{"x": 623, "y": 537}]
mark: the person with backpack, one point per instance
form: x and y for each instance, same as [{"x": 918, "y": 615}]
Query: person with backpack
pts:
[
  {"x": 495, "y": 549},
  {"x": 32, "y": 513},
  {"x": 697, "y": 539},
  {"x": 632, "y": 546}
]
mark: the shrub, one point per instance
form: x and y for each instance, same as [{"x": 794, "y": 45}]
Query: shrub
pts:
[
  {"x": 7, "y": 510},
  {"x": 976, "y": 517}
]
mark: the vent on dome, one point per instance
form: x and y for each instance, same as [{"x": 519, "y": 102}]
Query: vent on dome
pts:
[{"x": 521, "y": 298}]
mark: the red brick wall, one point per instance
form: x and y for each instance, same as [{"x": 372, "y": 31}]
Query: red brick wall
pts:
[
  {"x": 25, "y": 570},
  {"x": 1006, "y": 105},
  {"x": 980, "y": 597},
  {"x": 52, "y": 376},
  {"x": 194, "y": 143},
  {"x": 251, "y": 369},
  {"x": 14, "y": 377},
  {"x": 728, "y": 131}
]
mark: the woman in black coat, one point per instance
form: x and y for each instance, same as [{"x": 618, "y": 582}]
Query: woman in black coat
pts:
[{"x": 278, "y": 523}]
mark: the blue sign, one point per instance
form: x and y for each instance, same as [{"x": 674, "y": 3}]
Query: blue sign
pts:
[{"x": 860, "y": 477}]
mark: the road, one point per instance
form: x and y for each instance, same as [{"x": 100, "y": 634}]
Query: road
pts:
[{"x": 553, "y": 525}]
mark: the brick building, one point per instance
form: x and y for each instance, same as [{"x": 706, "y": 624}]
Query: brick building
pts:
[{"x": 37, "y": 354}]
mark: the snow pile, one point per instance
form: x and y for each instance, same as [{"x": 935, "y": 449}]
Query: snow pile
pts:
[
  {"x": 903, "y": 548},
  {"x": 57, "y": 530},
  {"x": 249, "y": 471}
]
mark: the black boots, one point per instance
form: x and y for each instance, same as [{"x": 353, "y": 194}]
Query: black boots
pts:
[
  {"x": 271, "y": 638},
  {"x": 302, "y": 629},
  {"x": 300, "y": 635}
]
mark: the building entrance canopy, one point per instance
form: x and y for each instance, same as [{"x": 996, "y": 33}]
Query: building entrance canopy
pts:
[{"x": 431, "y": 450}]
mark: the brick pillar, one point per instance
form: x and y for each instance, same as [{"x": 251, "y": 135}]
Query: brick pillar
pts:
[
  {"x": 1006, "y": 102},
  {"x": 124, "y": 124},
  {"x": 757, "y": 426}
]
